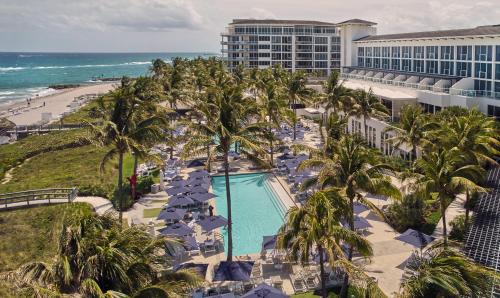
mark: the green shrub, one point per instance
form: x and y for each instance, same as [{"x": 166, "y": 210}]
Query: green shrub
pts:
[
  {"x": 407, "y": 213},
  {"x": 458, "y": 228},
  {"x": 93, "y": 190},
  {"x": 115, "y": 196},
  {"x": 144, "y": 184},
  {"x": 431, "y": 221}
]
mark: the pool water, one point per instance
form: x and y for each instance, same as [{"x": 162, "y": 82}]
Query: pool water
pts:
[{"x": 257, "y": 210}]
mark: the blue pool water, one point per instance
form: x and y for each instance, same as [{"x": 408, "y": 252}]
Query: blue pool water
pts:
[{"x": 257, "y": 210}]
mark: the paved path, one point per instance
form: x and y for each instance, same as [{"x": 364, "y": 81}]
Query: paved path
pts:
[
  {"x": 100, "y": 205},
  {"x": 455, "y": 209}
]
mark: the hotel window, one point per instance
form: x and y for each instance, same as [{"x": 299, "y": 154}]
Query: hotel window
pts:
[
  {"x": 376, "y": 62},
  {"x": 264, "y": 55},
  {"x": 483, "y": 53},
  {"x": 286, "y": 48},
  {"x": 336, "y": 48},
  {"x": 264, "y": 63},
  {"x": 286, "y": 56},
  {"x": 464, "y": 53},
  {"x": 304, "y": 39},
  {"x": 264, "y": 38},
  {"x": 418, "y": 65},
  {"x": 406, "y": 52},
  {"x": 304, "y": 56},
  {"x": 253, "y": 39},
  {"x": 320, "y": 56},
  {"x": 483, "y": 71},
  {"x": 321, "y": 49},
  {"x": 361, "y": 52},
  {"x": 483, "y": 88},
  {"x": 239, "y": 29},
  {"x": 264, "y": 46},
  {"x": 368, "y": 52},
  {"x": 386, "y": 52},
  {"x": 447, "y": 52},
  {"x": 497, "y": 72},
  {"x": 498, "y": 54},
  {"x": 494, "y": 111},
  {"x": 386, "y": 63},
  {"x": 253, "y": 47},
  {"x": 304, "y": 48},
  {"x": 276, "y": 56},
  {"x": 321, "y": 40},
  {"x": 395, "y": 52},
  {"x": 286, "y": 39},
  {"x": 320, "y": 64},
  {"x": 418, "y": 52},
  {"x": 395, "y": 64},
  {"x": 288, "y": 30},
  {"x": 447, "y": 68},
  {"x": 464, "y": 69},
  {"x": 277, "y": 30},
  {"x": 251, "y": 30},
  {"x": 336, "y": 39},
  {"x": 432, "y": 52},
  {"x": 497, "y": 89},
  {"x": 406, "y": 65},
  {"x": 276, "y": 48},
  {"x": 335, "y": 56},
  {"x": 368, "y": 62},
  {"x": 335, "y": 64},
  {"x": 276, "y": 39},
  {"x": 361, "y": 62},
  {"x": 432, "y": 67},
  {"x": 376, "y": 52}
]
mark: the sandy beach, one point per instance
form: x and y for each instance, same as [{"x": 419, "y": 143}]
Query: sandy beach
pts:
[{"x": 55, "y": 104}]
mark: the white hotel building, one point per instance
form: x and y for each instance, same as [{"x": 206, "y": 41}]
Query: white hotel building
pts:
[{"x": 435, "y": 69}]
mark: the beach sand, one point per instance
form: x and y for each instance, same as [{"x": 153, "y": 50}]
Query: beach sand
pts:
[{"x": 55, "y": 103}]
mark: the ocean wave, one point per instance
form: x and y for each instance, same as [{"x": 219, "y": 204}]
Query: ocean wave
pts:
[
  {"x": 5, "y": 69},
  {"x": 7, "y": 92}
]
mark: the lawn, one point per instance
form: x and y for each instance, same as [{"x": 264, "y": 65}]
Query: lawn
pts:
[
  {"x": 151, "y": 213},
  {"x": 72, "y": 167},
  {"x": 32, "y": 234},
  {"x": 82, "y": 114},
  {"x": 14, "y": 154},
  {"x": 352, "y": 293}
]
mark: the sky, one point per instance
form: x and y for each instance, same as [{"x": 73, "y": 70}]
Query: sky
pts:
[{"x": 195, "y": 25}]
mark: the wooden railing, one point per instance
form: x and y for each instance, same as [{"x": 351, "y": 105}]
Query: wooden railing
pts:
[{"x": 37, "y": 197}]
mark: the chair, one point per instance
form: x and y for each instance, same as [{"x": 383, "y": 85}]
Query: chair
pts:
[
  {"x": 311, "y": 282},
  {"x": 298, "y": 284}
]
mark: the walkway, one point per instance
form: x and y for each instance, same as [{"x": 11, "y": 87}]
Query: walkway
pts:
[{"x": 100, "y": 205}]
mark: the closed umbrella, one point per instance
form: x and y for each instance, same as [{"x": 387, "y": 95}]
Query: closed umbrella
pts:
[
  {"x": 233, "y": 271},
  {"x": 178, "y": 229},
  {"x": 198, "y": 188},
  {"x": 210, "y": 223},
  {"x": 171, "y": 214},
  {"x": 180, "y": 201},
  {"x": 198, "y": 173},
  {"x": 359, "y": 208},
  {"x": 415, "y": 238},
  {"x": 265, "y": 291}
]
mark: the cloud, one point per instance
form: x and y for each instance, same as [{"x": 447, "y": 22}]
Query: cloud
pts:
[
  {"x": 261, "y": 13},
  {"x": 123, "y": 15}
]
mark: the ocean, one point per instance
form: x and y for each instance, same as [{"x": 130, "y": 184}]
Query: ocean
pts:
[{"x": 24, "y": 75}]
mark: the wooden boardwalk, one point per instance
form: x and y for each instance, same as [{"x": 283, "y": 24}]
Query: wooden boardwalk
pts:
[{"x": 22, "y": 199}]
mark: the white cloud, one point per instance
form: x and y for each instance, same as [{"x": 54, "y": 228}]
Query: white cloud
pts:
[{"x": 261, "y": 13}]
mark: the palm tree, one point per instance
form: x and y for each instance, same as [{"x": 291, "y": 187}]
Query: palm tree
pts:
[
  {"x": 120, "y": 133},
  {"x": 412, "y": 128},
  {"x": 477, "y": 137},
  {"x": 97, "y": 258},
  {"x": 445, "y": 272},
  {"x": 272, "y": 103},
  {"x": 227, "y": 121},
  {"x": 442, "y": 171},
  {"x": 335, "y": 93},
  {"x": 315, "y": 226},
  {"x": 367, "y": 105},
  {"x": 354, "y": 168},
  {"x": 297, "y": 93}
]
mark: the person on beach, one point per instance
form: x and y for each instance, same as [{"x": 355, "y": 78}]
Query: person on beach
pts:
[
  {"x": 210, "y": 210},
  {"x": 44, "y": 103}
]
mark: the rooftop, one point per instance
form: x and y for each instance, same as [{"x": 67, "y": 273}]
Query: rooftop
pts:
[
  {"x": 357, "y": 22},
  {"x": 477, "y": 31},
  {"x": 278, "y": 22}
]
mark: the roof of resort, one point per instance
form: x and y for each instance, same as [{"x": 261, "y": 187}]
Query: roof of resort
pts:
[
  {"x": 356, "y": 22},
  {"x": 477, "y": 31},
  {"x": 278, "y": 22}
]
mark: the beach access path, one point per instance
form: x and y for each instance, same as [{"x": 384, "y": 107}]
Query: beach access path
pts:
[{"x": 55, "y": 103}]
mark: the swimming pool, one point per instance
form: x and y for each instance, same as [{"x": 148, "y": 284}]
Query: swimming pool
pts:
[{"x": 257, "y": 210}]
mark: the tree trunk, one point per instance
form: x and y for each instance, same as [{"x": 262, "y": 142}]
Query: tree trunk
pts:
[
  {"x": 294, "y": 120},
  {"x": 443, "y": 215},
  {"x": 120, "y": 188},
  {"x": 365, "y": 128},
  {"x": 136, "y": 161},
  {"x": 467, "y": 209},
  {"x": 229, "y": 213},
  {"x": 209, "y": 165},
  {"x": 345, "y": 284},
  {"x": 171, "y": 144},
  {"x": 414, "y": 153},
  {"x": 322, "y": 272}
]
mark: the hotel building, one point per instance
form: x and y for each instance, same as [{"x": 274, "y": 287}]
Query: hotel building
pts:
[
  {"x": 435, "y": 69},
  {"x": 296, "y": 45}
]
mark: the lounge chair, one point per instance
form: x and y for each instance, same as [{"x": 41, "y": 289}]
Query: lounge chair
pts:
[
  {"x": 311, "y": 282},
  {"x": 298, "y": 284}
]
